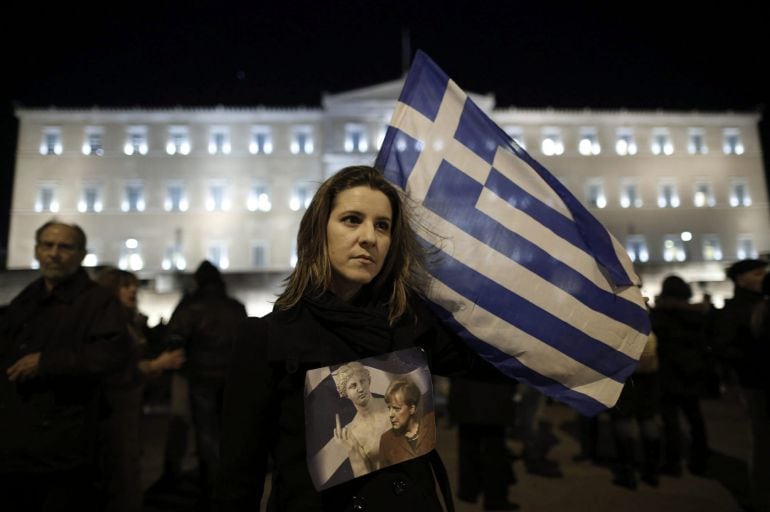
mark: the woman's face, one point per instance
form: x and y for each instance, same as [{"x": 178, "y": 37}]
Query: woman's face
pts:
[
  {"x": 357, "y": 389},
  {"x": 399, "y": 412},
  {"x": 357, "y": 238},
  {"x": 127, "y": 295}
]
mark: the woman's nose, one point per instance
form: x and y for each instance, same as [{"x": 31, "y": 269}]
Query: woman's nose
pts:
[{"x": 366, "y": 234}]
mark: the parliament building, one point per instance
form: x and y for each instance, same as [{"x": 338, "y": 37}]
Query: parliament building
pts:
[{"x": 159, "y": 190}]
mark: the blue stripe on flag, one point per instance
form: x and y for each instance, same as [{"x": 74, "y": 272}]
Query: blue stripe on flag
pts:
[
  {"x": 451, "y": 188},
  {"x": 476, "y": 132},
  {"x": 399, "y": 151},
  {"x": 424, "y": 88},
  {"x": 530, "y": 318},
  {"x": 594, "y": 234},
  {"x": 520, "y": 199},
  {"x": 511, "y": 367}
]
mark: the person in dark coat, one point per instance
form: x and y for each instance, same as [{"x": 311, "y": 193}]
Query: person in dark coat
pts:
[
  {"x": 59, "y": 338},
  {"x": 206, "y": 325},
  {"x": 120, "y": 443},
  {"x": 351, "y": 296},
  {"x": 639, "y": 403},
  {"x": 746, "y": 353},
  {"x": 685, "y": 366},
  {"x": 483, "y": 411}
]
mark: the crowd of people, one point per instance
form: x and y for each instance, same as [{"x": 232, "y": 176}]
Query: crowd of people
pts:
[{"x": 78, "y": 359}]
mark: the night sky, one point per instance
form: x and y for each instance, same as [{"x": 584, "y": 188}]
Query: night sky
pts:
[{"x": 638, "y": 55}]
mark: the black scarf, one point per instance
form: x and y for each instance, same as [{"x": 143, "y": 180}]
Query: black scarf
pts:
[{"x": 362, "y": 325}]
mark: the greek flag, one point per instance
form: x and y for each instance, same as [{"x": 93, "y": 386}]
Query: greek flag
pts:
[{"x": 522, "y": 271}]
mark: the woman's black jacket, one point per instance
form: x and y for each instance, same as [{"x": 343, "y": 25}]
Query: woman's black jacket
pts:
[{"x": 263, "y": 414}]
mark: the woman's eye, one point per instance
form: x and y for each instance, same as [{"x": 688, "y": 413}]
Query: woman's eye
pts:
[
  {"x": 383, "y": 226},
  {"x": 351, "y": 219}
]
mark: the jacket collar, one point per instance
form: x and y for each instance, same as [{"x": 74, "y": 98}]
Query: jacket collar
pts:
[{"x": 66, "y": 291}]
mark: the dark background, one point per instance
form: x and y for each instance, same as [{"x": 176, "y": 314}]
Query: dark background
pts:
[{"x": 640, "y": 55}]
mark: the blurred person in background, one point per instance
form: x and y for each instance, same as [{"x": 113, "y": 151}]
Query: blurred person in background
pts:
[
  {"x": 483, "y": 411},
  {"x": 745, "y": 352},
  {"x": 639, "y": 403},
  {"x": 120, "y": 442},
  {"x": 60, "y": 338},
  {"x": 206, "y": 324},
  {"x": 682, "y": 329}
]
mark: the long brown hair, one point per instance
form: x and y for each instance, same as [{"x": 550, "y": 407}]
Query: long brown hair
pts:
[{"x": 403, "y": 265}]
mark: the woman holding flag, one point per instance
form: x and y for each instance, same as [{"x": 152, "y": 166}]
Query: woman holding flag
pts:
[{"x": 354, "y": 293}]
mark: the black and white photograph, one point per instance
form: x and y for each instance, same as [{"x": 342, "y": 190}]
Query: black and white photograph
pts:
[{"x": 365, "y": 415}]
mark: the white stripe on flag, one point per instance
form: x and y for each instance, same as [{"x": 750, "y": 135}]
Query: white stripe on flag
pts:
[
  {"x": 525, "y": 283},
  {"x": 547, "y": 240},
  {"x": 529, "y": 351}
]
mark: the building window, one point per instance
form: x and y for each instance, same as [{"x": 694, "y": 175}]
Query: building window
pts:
[
  {"x": 589, "y": 142},
  {"x": 629, "y": 193},
  {"x": 712, "y": 249},
  {"x": 739, "y": 192},
  {"x": 301, "y": 196},
  {"x": 176, "y": 198},
  {"x": 133, "y": 197},
  {"x": 46, "y": 198},
  {"x": 219, "y": 141},
  {"x": 673, "y": 248},
  {"x": 625, "y": 143},
  {"x": 90, "y": 198},
  {"x": 668, "y": 194},
  {"x": 91, "y": 259},
  {"x": 517, "y": 134},
  {"x": 93, "y": 143},
  {"x": 174, "y": 258},
  {"x": 355, "y": 138},
  {"x": 259, "y": 254},
  {"x": 595, "y": 193},
  {"x": 217, "y": 199},
  {"x": 136, "y": 141},
  {"x": 216, "y": 253},
  {"x": 131, "y": 255},
  {"x": 696, "y": 141},
  {"x": 661, "y": 142},
  {"x": 51, "y": 142},
  {"x": 261, "y": 142},
  {"x": 703, "y": 195},
  {"x": 552, "y": 143},
  {"x": 636, "y": 246},
  {"x": 178, "y": 140},
  {"x": 731, "y": 141},
  {"x": 302, "y": 140},
  {"x": 745, "y": 247},
  {"x": 259, "y": 198}
]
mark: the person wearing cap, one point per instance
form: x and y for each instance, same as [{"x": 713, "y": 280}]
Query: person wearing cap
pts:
[
  {"x": 206, "y": 324},
  {"x": 747, "y": 356}
]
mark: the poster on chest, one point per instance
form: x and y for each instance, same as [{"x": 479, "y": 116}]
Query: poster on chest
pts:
[{"x": 365, "y": 415}]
